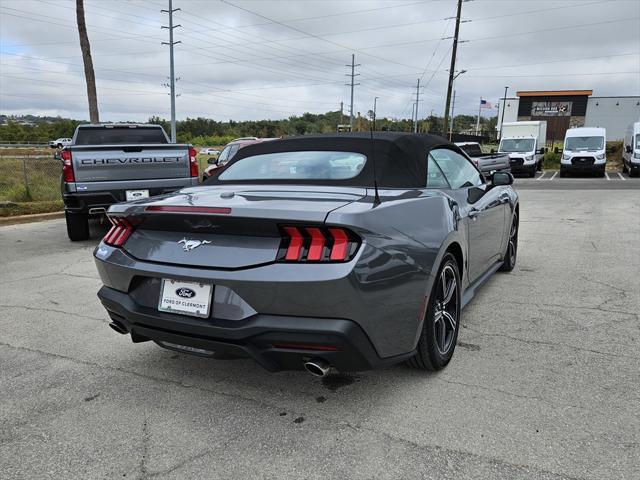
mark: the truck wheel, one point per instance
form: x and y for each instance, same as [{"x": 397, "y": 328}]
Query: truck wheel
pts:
[
  {"x": 441, "y": 323},
  {"x": 624, "y": 167},
  {"x": 77, "y": 226},
  {"x": 539, "y": 166},
  {"x": 532, "y": 173}
]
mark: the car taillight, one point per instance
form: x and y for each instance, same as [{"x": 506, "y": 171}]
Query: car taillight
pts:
[
  {"x": 193, "y": 161},
  {"x": 119, "y": 232},
  {"x": 67, "y": 166},
  {"x": 317, "y": 244}
]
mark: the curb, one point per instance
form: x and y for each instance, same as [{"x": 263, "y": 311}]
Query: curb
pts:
[{"x": 36, "y": 217}]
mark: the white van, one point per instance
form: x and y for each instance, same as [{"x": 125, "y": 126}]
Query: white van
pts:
[
  {"x": 524, "y": 142},
  {"x": 631, "y": 151},
  {"x": 584, "y": 151}
]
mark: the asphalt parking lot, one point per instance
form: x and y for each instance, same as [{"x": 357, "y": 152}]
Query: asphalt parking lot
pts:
[{"x": 543, "y": 384}]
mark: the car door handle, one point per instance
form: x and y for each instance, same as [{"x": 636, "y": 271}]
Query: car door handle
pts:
[{"x": 474, "y": 212}]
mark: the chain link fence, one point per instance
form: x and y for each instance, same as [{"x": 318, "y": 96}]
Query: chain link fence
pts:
[{"x": 29, "y": 178}]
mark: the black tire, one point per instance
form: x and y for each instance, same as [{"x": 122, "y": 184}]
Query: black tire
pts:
[
  {"x": 539, "y": 166},
  {"x": 77, "y": 226},
  {"x": 634, "y": 172},
  {"x": 563, "y": 174},
  {"x": 624, "y": 167},
  {"x": 439, "y": 334},
  {"x": 60, "y": 145},
  {"x": 511, "y": 255},
  {"x": 600, "y": 173},
  {"x": 532, "y": 173}
]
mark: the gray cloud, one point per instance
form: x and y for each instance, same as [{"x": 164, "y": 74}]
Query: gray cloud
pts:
[{"x": 239, "y": 65}]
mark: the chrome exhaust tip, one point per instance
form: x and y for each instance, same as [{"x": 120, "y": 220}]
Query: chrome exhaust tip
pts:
[
  {"x": 118, "y": 327},
  {"x": 317, "y": 367}
]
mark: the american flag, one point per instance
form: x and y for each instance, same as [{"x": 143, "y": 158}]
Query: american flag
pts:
[{"x": 485, "y": 104}]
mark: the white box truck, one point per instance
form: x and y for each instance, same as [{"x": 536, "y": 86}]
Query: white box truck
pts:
[
  {"x": 584, "y": 151},
  {"x": 631, "y": 150},
  {"x": 525, "y": 143}
]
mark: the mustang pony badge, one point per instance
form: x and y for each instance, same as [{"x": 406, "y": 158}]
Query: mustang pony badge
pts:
[{"x": 189, "y": 245}]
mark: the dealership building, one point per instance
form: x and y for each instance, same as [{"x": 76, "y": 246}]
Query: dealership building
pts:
[{"x": 563, "y": 109}]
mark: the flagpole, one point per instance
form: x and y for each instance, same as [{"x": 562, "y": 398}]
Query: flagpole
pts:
[{"x": 478, "y": 122}]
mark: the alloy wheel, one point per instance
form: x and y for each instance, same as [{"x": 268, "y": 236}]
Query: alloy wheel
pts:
[
  {"x": 513, "y": 240},
  {"x": 446, "y": 310}
]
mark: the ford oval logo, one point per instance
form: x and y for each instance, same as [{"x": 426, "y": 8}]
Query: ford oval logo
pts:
[{"x": 185, "y": 293}]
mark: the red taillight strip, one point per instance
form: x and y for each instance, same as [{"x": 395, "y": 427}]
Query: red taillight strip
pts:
[
  {"x": 119, "y": 233},
  {"x": 317, "y": 244},
  {"x": 187, "y": 209},
  {"x": 340, "y": 248},
  {"x": 295, "y": 244}
]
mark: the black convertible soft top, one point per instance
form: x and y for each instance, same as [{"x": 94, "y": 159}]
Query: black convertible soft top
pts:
[{"x": 400, "y": 158}]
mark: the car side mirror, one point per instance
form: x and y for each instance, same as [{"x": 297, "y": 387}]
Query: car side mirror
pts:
[
  {"x": 502, "y": 178},
  {"x": 543, "y": 151},
  {"x": 628, "y": 149},
  {"x": 212, "y": 161}
]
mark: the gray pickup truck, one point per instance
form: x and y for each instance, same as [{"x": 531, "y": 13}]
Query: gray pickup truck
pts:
[
  {"x": 107, "y": 164},
  {"x": 486, "y": 162}
]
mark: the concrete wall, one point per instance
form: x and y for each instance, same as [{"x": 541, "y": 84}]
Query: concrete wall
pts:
[{"x": 613, "y": 113}]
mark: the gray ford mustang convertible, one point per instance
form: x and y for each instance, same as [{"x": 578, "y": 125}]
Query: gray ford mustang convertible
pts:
[{"x": 349, "y": 251}]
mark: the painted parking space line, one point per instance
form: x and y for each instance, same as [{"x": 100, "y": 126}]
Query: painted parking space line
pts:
[
  {"x": 621, "y": 176},
  {"x": 542, "y": 175},
  {"x": 553, "y": 176},
  {"x": 607, "y": 175}
]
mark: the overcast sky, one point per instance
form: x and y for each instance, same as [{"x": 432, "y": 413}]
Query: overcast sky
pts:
[{"x": 256, "y": 59}]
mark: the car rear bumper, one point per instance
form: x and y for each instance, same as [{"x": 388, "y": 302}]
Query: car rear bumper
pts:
[
  {"x": 276, "y": 342},
  {"x": 84, "y": 202}
]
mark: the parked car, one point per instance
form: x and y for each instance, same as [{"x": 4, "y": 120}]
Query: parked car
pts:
[
  {"x": 631, "y": 150},
  {"x": 60, "y": 142},
  {"x": 524, "y": 142},
  {"x": 486, "y": 162},
  {"x": 209, "y": 151},
  {"x": 313, "y": 252},
  {"x": 228, "y": 152},
  {"x": 111, "y": 163},
  {"x": 584, "y": 151}
]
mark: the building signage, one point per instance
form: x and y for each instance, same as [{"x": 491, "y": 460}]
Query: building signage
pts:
[{"x": 551, "y": 109}]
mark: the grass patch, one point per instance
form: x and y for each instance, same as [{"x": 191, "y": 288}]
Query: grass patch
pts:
[
  {"x": 42, "y": 179},
  {"x": 28, "y": 208}
]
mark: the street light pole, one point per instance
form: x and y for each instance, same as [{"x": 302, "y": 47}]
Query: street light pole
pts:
[
  {"x": 504, "y": 107},
  {"x": 375, "y": 102}
]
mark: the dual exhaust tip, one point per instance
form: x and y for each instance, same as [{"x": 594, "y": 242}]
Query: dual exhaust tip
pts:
[{"x": 315, "y": 366}]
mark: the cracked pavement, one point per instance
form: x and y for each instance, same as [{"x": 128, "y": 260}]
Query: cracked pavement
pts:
[{"x": 544, "y": 383}]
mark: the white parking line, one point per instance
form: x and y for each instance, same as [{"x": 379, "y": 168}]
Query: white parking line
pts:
[
  {"x": 607, "y": 175},
  {"x": 553, "y": 176},
  {"x": 540, "y": 177},
  {"x": 621, "y": 176}
]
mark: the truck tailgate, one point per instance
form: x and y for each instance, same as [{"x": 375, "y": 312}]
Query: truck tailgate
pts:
[{"x": 129, "y": 162}]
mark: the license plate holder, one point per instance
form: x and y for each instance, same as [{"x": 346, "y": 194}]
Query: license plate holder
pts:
[
  {"x": 185, "y": 298},
  {"x": 136, "y": 194}
]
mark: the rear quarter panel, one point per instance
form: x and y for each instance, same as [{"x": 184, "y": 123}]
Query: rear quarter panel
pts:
[{"x": 405, "y": 238}]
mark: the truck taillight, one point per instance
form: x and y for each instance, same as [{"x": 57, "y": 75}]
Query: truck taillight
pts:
[
  {"x": 67, "y": 166},
  {"x": 317, "y": 244},
  {"x": 119, "y": 232},
  {"x": 193, "y": 161}
]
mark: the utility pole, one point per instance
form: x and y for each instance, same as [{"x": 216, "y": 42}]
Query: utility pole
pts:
[
  {"x": 375, "y": 103},
  {"x": 453, "y": 117},
  {"x": 452, "y": 67},
  {"x": 415, "y": 125},
  {"x": 478, "y": 121},
  {"x": 353, "y": 75},
  {"x": 172, "y": 78},
  {"x": 504, "y": 107}
]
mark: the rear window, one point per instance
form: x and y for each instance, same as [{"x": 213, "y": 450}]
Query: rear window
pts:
[
  {"x": 120, "y": 136},
  {"x": 307, "y": 165},
  {"x": 472, "y": 150}
]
